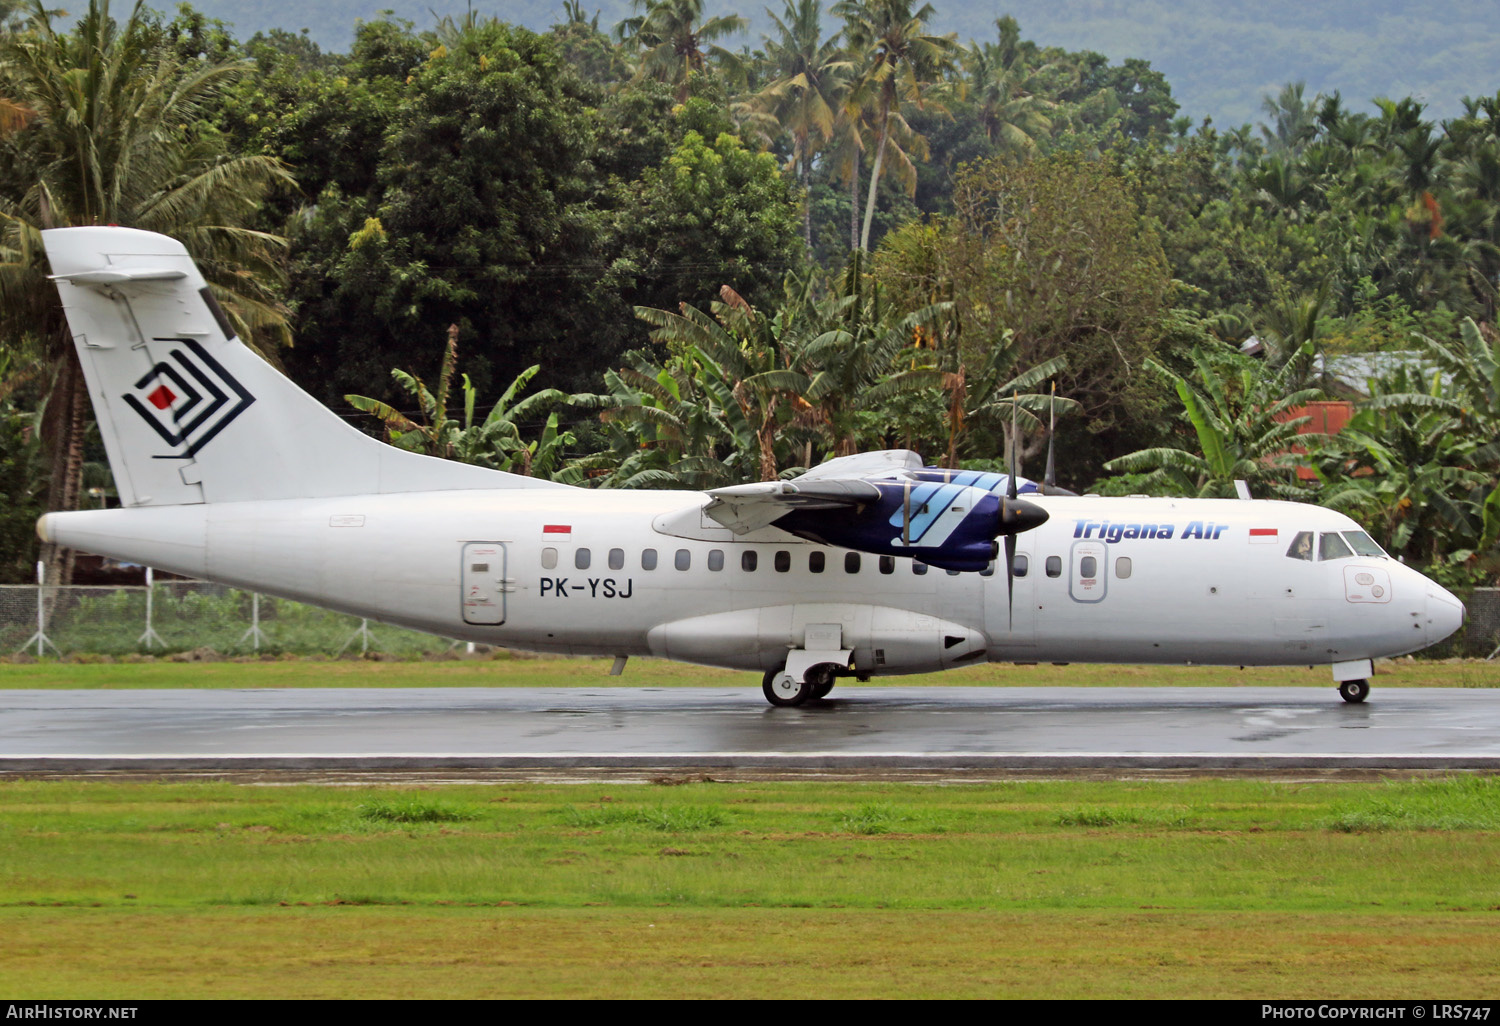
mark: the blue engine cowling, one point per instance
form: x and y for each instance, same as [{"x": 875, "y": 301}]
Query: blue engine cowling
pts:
[{"x": 943, "y": 524}]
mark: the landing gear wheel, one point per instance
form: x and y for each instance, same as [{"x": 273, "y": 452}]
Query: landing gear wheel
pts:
[
  {"x": 821, "y": 690},
  {"x": 781, "y": 688},
  {"x": 1354, "y": 691}
]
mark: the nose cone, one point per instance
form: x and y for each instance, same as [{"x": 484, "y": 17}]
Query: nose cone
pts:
[
  {"x": 1017, "y": 515},
  {"x": 1445, "y": 613}
]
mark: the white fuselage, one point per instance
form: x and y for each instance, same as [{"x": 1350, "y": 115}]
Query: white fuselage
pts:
[{"x": 569, "y": 571}]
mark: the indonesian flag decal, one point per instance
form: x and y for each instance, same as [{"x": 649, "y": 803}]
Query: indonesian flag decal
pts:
[
  {"x": 557, "y": 530},
  {"x": 1263, "y": 535},
  {"x": 189, "y": 397}
]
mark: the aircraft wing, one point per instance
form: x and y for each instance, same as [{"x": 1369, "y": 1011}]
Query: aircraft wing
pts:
[
  {"x": 749, "y": 507},
  {"x": 864, "y": 464}
]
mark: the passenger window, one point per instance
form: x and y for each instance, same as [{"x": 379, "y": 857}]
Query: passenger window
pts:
[
  {"x": 617, "y": 559},
  {"x": 581, "y": 559},
  {"x": 918, "y": 568},
  {"x": 549, "y": 558},
  {"x": 748, "y": 561},
  {"x": 1021, "y": 565},
  {"x": 851, "y": 562},
  {"x": 648, "y": 559},
  {"x": 783, "y": 561},
  {"x": 716, "y": 559},
  {"x": 988, "y": 571},
  {"x": 815, "y": 562},
  {"x": 683, "y": 559},
  {"x": 887, "y": 564},
  {"x": 1088, "y": 568},
  {"x": 1054, "y": 566},
  {"x": 1122, "y": 566},
  {"x": 1331, "y": 546},
  {"x": 1301, "y": 547},
  {"x": 1363, "y": 544},
  {"x": 952, "y": 573}
]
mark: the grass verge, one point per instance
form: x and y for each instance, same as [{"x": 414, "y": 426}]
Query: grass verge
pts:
[{"x": 1206, "y": 888}]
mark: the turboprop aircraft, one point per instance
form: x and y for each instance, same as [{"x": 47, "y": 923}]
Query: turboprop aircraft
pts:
[{"x": 868, "y": 565}]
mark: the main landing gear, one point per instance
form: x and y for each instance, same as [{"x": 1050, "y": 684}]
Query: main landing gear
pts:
[
  {"x": 781, "y": 688},
  {"x": 1354, "y": 691}
]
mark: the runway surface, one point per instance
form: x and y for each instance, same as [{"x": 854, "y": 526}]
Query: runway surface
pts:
[{"x": 707, "y": 729}]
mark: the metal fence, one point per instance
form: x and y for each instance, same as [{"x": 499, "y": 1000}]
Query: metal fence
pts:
[
  {"x": 187, "y": 616},
  {"x": 1481, "y": 633}
]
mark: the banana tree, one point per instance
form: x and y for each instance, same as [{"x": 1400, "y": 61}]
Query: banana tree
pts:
[{"x": 1242, "y": 419}]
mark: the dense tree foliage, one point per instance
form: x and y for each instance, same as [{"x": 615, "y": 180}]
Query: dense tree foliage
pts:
[{"x": 672, "y": 263}]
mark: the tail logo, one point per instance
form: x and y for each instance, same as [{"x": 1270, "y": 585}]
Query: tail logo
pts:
[{"x": 188, "y": 398}]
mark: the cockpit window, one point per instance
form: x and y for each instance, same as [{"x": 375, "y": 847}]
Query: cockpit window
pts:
[
  {"x": 1301, "y": 547},
  {"x": 1362, "y": 544},
  {"x": 1331, "y": 546}
]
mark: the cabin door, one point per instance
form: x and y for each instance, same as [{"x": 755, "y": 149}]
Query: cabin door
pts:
[{"x": 484, "y": 583}]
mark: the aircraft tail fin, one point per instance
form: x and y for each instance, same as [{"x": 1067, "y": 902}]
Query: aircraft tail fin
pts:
[{"x": 188, "y": 413}]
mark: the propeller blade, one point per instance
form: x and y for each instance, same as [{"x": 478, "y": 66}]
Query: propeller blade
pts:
[
  {"x": 1049, "y": 482},
  {"x": 1010, "y": 579},
  {"x": 1014, "y": 441},
  {"x": 906, "y": 515}
]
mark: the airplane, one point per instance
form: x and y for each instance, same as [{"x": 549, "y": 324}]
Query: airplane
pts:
[{"x": 867, "y": 565}]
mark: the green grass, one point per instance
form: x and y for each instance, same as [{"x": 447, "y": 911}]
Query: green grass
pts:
[
  {"x": 415, "y": 810},
  {"x": 1211, "y": 888},
  {"x": 1229, "y": 845},
  {"x": 1457, "y": 803},
  {"x": 506, "y": 670}
]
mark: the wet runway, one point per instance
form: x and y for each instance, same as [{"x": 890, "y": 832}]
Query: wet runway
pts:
[{"x": 707, "y": 729}]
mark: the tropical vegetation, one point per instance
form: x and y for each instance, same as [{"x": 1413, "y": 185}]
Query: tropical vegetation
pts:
[{"x": 670, "y": 257}]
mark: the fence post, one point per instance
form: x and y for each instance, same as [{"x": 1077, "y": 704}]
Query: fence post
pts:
[
  {"x": 365, "y": 636},
  {"x": 149, "y": 636},
  {"x": 254, "y": 634},
  {"x": 41, "y": 615},
  {"x": 40, "y": 637}
]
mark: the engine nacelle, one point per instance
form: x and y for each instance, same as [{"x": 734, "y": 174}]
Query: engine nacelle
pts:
[
  {"x": 882, "y": 639},
  {"x": 941, "y": 523}
]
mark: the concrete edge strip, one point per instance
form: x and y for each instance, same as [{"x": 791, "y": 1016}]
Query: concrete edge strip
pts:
[{"x": 747, "y": 760}]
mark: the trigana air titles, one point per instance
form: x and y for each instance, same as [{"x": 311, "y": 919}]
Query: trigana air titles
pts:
[{"x": 867, "y": 565}]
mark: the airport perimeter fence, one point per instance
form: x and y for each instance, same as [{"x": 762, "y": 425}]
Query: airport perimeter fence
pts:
[
  {"x": 196, "y": 619},
  {"x": 202, "y": 619}
]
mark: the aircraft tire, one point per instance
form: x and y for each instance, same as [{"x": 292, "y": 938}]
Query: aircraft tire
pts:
[
  {"x": 782, "y": 689},
  {"x": 1354, "y": 691},
  {"x": 821, "y": 690}
]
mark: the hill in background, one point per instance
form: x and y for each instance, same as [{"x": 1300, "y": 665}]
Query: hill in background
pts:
[{"x": 1220, "y": 58}]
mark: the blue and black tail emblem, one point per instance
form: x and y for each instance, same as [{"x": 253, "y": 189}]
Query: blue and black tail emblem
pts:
[{"x": 188, "y": 398}]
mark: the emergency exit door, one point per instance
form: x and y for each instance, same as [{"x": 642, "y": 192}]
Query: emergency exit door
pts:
[{"x": 484, "y": 583}]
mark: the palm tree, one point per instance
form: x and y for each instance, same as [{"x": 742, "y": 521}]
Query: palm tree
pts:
[
  {"x": 671, "y": 32},
  {"x": 109, "y": 132},
  {"x": 902, "y": 61},
  {"x": 1294, "y": 120},
  {"x": 1013, "y": 116},
  {"x": 804, "y": 94}
]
